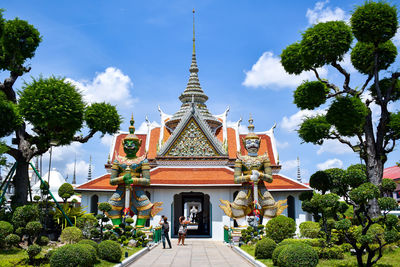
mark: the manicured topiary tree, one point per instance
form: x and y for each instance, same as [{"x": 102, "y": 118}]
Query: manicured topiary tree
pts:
[
  {"x": 349, "y": 114},
  {"x": 104, "y": 207},
  {"x": 6, "y": 228},
  {"x": 66, "y": 191},
  {"x": 365, "y": 234},
  {"x": 53, "y": 106},
  {"x": 33, "y": 230},
  {"x": 91, "y": 243},
  {"x": 33, "y": 251},
  {"x": 280, "y": 227},
  {"x": 71, "y": 235},
  {"x": 12, "y": 240},
  {"x": 110, "y": 250},
  {"x": 264, "y": 248}
]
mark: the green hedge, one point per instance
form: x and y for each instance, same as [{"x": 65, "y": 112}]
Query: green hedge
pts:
[
  {"x": 309, "y": 229},
  {"x": 264, "y": 248},
  {"x": 299, "y": 255},
  {"x": 91, "y": 243},
  {"x": 73, "y": 255}
]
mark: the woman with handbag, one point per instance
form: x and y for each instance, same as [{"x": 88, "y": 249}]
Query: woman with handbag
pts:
[{"x": 182, "y": 230}]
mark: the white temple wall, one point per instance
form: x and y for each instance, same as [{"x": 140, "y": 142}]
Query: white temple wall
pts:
[{"x": 218, "y": 220}]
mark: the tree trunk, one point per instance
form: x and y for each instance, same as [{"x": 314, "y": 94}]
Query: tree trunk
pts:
[
  {"x": 374, "y": 163},
  {"x": 21, "y": 184}
]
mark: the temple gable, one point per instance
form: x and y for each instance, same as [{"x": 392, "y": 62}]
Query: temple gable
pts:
[{"x": 192, "y": 142}]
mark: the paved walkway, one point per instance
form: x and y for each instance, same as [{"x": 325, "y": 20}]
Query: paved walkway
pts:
[{"x": 195, "y": 253}]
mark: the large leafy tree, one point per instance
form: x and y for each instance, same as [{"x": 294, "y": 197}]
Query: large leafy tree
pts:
[
  {"x": 349, "y": 114},
  {"x": 53, "y": 106}
]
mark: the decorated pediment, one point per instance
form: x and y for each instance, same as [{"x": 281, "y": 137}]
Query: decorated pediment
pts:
[
  {"x": 192, "y": 142},
  {"x": 192, "y": 138}
]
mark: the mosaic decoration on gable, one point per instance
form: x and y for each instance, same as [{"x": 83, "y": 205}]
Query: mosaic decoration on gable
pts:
[{"x": 192, "y": 142}]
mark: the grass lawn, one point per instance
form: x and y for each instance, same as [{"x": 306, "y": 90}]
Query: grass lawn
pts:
[
  {"x": 390, "y": 257},
  {"x": 18, "y": 257}
]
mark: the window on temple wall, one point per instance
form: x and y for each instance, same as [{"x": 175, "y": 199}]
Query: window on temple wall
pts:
[
  {"x": 147, "y": 224},
  {"x": 94, "y": 200},
  {"x": 291, "y": 207},
  {"x": 234, "y": 196}
]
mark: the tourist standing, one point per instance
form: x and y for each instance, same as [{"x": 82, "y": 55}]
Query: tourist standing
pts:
[
  {"x": 164, "y": 231},
  {"x": 182, "y": 230}
]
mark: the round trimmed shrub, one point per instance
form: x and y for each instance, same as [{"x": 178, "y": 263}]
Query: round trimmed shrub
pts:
[
  {"x": 32, "y": 251},
  {"x": 299, "y": 255},
  {"x": 24, "y": 214},
  {"x": 71, "y": 235},
  {"x": 73, "y": 255},
  {"x": 43, "y": 240},
  {"x": 309, "y": 229},
  {"x": 6, "y": 228},
  {"x": 12, "y": 240},
  {"x": 264, "y": 248},
  {"x": 91, "y": 243},
  {"x": 280, "y": 227},
  {"x": 276, "y": 253},
  {"x": 33, "y": 229},
  {"x": 110, "y": 250}
]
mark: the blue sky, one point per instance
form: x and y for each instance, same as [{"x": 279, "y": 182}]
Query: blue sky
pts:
[{"x": 136, "y": 55}]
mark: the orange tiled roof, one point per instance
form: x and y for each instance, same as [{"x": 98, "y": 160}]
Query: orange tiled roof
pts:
[
  {"x": 154, "y": 135},
  {"x": 194, "y": 176},
  {"x": 392, "y": 173},
  {"x": 231, "y": 136}
]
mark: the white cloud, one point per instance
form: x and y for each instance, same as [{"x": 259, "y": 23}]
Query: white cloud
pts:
[
  {"x": 269, "y": 73},
  {"x": 289, "y": 165},
  {"x": 242, "y": 128},
  {"x": 82, "y": 168},
  {"x": 323, "y": 13},
  {"x": 107, "y": 140},
  {"x": 396, "y": 38},
  {"x": 282, "y": 145},
  {"x": 143, "y": 127},
  {"x": 346, "y": 64},
  {"x": 111, "y": 86},
  {"x": 330, "y": 163},
  {"x": 334, "y": 147},
  {"x": 60, "y": 153},
  {"x": 291, "y": 124}
]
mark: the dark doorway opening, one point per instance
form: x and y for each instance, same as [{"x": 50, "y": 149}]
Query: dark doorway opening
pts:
[
  {"x": 291, "y": 207},
  {"x": 94, "y": 204},
  {"x": 201, "y": 222}
]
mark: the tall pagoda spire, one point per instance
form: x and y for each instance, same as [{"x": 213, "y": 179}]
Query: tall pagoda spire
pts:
[
  {"x": 90, "y": 169},
  {"x": 193, "y": 93},
  {"x": 74, "y": 175}
]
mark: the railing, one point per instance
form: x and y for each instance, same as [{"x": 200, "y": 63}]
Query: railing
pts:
[
  {"x": 227, "y": 234},
  {"x": 157, "y": 234}
]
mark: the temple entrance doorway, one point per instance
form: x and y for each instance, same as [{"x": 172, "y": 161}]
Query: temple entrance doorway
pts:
[{"x": 196, "y": 208}]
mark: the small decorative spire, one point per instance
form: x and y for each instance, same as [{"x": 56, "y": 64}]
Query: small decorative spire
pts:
[
  {"x": 90, "y": 169},
  {"x": 251, "y": 125},
  {"x": 194, "y": 50},
  {"x": 298, "y": 170},
  {"x": 74, "y": 175},
  {"x": 108, "y": 159},
  {"x": 132, "y": 127},
  {"x": 251, "y": 134}
]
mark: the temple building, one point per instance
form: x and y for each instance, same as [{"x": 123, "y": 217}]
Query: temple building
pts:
[{"x": 192, "y": 154}]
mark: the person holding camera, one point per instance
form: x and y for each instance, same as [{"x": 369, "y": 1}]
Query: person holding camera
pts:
[{"x": 164, "y": 231}]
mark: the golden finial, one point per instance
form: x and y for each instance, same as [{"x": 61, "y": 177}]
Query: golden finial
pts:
[
  {"x": 132, "y": 127},
  {"x": 251, "y": 126},
  {"x": 193, "y": 34},
  {"x": 251, "y": 134}
]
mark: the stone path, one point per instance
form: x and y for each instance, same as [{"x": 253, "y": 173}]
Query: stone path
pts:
[{"x": 195, "y": 253}]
